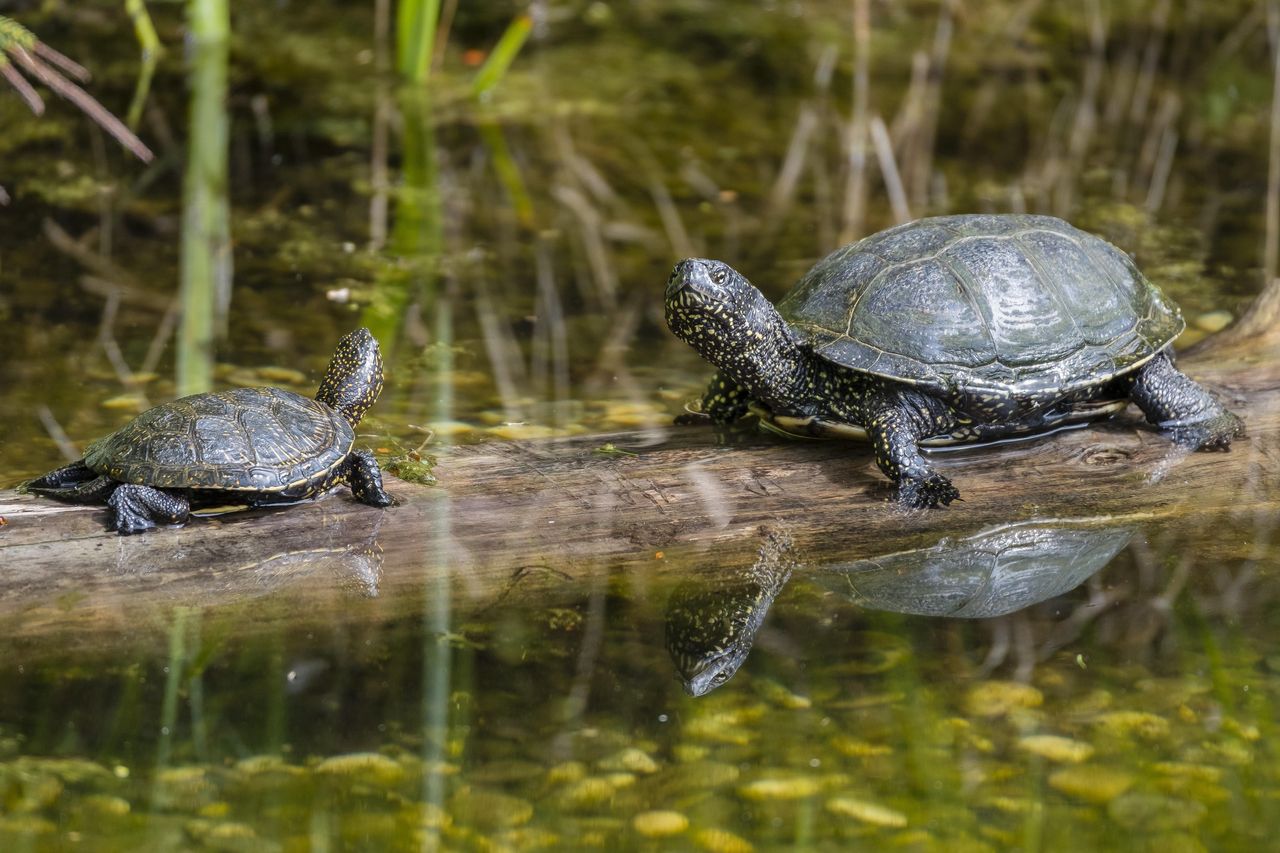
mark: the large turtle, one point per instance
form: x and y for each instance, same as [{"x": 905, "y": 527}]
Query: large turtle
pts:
[
  {"x": 255, "y": 446},
  {"x": 944, "y": 330}
]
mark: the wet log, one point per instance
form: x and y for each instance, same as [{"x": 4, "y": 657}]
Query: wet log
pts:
[{"x": 537, "y": 518}]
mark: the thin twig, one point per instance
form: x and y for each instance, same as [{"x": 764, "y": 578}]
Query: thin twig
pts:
[
  {"x": 670, "y": 216},
  {"x": 164, "y": 333},
  {"x": 918, "y": 162},
  {"x": 505, "y": 362},
  {"x": 1164, "y": 121},
  {"x": 855, "y": 196},
  {"x": 1271, "y": 252},
  {"x": 20, "y": 85},
  {"x": 551, "y": 319},
  {"x": 131, "y": 296},
  {"x": 379, "y": 145},
  {"x": 793, "y": 162},
  {"x": 85, "y": 102},
  {"x": 108, "y": 341},
  {"x": 589, "y": 223},
  {"x": 443, "y": 25},
  {"x": 1150, "y": 62},
  {"x": 889, "y": 170},
  {"x": 88, "y": 258},
  {"x": 66, "y": 446},
  {"x": 1162, "y": 169},
  {"x": 587, "y": 174},
  {"x": 64, "y": 62},
  {"x": 1086, "y": 114}
]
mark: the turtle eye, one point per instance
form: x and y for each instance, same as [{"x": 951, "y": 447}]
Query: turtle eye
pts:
[{"x": 719, "y": 275}]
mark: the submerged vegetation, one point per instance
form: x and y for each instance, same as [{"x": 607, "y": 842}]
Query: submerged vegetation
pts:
[{"x": 849, "y": 726}]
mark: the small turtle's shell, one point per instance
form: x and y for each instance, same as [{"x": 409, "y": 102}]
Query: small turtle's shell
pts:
[
  {"x": 244, "y": 440},
  {"x": 984, "y": 307}
]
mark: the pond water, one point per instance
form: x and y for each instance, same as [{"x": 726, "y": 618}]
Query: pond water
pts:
[{"x": 1040, "y": 684}]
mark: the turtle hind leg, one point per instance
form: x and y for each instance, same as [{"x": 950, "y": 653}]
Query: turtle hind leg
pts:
[
  {"x": 1182, "y": 409},
  {"x": 138, "y": 508},
  {"x": 723, "y": 402},
  {"x": 365, "y": 478},
  {"x": 76, "y": 483},
  {"x": 95, "y": 491},
  {"x": 895, "y": 424},
  {"x": 61, "y": 479}
]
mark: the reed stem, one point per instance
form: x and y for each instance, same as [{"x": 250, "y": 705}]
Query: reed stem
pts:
[{"x": 206, "y": 230}]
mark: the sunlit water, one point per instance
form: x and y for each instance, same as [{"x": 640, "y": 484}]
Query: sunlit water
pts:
[{"x": 1116, "y": 689}]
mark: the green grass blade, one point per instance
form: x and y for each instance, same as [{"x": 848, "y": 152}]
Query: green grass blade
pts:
[
  {"x": 504, "y": 53},
  {"x": 416, "y": 22}
]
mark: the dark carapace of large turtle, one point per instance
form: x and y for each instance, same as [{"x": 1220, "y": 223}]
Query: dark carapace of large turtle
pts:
[
  {"x": 946, "y": 330},
  {"x": 254, "y": 446}
]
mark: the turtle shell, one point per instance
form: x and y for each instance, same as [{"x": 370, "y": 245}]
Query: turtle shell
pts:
[
  {"x": 1011, "y": 306},
  {"x": 994, "y": 572},
  {"x": 245, "y": 439}
]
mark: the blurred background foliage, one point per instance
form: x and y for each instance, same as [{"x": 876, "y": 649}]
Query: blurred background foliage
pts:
[{"x": 499, "y": 189}]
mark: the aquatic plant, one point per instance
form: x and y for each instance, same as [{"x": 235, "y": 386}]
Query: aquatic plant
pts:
[{"x": 19, "y": 46}]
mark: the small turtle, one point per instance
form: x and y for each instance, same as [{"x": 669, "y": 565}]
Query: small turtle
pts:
[
  {"x": 945, "y": 330},
  {"x": 257, "y": 446}
]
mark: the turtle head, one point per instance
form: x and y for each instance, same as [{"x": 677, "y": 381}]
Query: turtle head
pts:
[
  {"x": 713, "y": 308},
  {"x": 708, "y": 304},
  {"x": 710, "y": 630},
  {"x": 354, "y": 378}
]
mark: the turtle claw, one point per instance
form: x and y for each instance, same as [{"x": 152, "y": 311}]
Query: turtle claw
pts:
[
  {"x": 137, "y": 507},
  {"x": 1214, "y": 433},
  {"x": 930, "y": 491},
  {"x": 131, "y": 515}
]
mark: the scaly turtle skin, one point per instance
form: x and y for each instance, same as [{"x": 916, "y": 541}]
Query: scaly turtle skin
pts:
[
  {"x": 945, "y": 330},
  {"x": 248, "y": 445}
]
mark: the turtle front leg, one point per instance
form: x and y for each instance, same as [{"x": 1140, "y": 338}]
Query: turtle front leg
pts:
[
  {"x": 896, "y": 421},
  {"x": 724, "y": 402},
  {"x": 138, "y": 508},
  {"x": 1182, "y": 409},
  {"x": 365, "y": 478}
]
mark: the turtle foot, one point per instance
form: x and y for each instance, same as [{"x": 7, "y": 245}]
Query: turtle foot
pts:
[
  {"x": 931, "y": 491},
  {"x": 1214, "y": 433},
  {"x": 131, "y": 516},
  {"x": 366, "y": 480},
  {"x": 136, "y": 508}
]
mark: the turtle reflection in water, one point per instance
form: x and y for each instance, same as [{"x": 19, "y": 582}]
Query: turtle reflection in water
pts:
[
  {"x": 712, "y": 623},
  {"x": 256, "y": 446},
  {"x": 945, "y": 330},
  {"x": 995, "y": 572}
]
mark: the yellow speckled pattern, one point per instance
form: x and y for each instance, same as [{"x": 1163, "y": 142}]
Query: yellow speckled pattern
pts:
[
  {"x": 949, "y": 329},
  {"x": 354, "y": 378}
]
